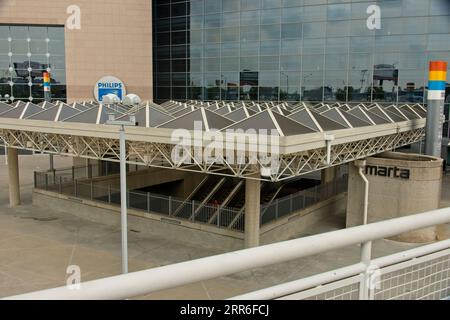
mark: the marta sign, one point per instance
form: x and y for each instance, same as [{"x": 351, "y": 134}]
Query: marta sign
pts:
[
  {"x": 108, "y": 85},
  {"x": 388, "y": 172}
]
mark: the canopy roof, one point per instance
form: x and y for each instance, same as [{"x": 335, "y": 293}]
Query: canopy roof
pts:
[
  {"x": 286, "y": 118},
  {"x": 311, "y": 136}
]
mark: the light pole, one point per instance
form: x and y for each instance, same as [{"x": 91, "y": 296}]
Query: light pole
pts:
[
  {"x": 287, "y": 84},
  {"x": 112, "y": 99},
  {"x": 6, "y": 148},
  {"x": 46, "y": 83}
]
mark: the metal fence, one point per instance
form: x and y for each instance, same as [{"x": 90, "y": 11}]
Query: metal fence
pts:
[
  {"x": 415, "y": 277},
  {"x": 301, "y": 200},
  {"x": 78, "y": 182},
  {"x": 424, "y": 278}
]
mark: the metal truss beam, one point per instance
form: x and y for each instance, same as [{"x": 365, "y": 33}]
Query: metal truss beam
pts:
[{"x": 159, "y": 155}]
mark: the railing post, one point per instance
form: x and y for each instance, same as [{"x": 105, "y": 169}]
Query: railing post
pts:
[
  {"x": 73, "y": 173},
  {"x": 92, "y": 190},
  {"x": 35, "y": 179},
  {"x": 60, "y": 184},
  {"x": 170, "y": 205},
  {"x": 46, "y": 181},
  {"x": 219, "y": 211},
  {"x": 193, "y": 210},
  {"x": 148, "y": 202},
  {"x": 90, "y": 171},
  {"x": 109, "y": 193},
  {"x": 75, "y": 182},
  {"x": 366, "y": 257},
  {"x": 54, "y": 176}
]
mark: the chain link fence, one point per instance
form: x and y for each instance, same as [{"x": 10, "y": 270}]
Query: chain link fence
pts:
[{"x": 78, "y": 182}]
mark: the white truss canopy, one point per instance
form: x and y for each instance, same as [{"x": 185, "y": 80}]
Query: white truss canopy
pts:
[{"x": 310, "y": 137}]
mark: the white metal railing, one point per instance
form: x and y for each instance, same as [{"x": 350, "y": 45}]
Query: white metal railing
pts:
[
  {"x": 329, "y": 282},
  {"x": 353, "y": 280}
]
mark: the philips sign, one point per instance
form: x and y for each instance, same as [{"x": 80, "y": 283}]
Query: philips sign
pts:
[{"x": 107, "y": 85}]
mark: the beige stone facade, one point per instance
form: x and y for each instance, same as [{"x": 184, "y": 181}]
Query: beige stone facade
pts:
[
  {"x": 115, "y": 39},
  {"x": 400, "y": 184}
]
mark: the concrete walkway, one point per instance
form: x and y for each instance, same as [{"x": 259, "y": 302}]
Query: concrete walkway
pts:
[{"x": 37, "y": 246}]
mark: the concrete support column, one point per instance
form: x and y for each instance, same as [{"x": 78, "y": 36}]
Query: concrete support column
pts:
[
  {"x": 13, "y": 172},
  {"x": 252, "y": 212},
  {"x": 401, "y": 184}
]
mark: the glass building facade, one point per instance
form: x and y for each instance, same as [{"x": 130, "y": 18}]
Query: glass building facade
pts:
[
  {"x": 25, "y": 53},
  {"x": 292, "y": 50}
]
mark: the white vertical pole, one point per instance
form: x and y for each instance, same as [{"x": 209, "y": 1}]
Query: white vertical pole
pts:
[
  {"x": 123, "y": 201},
  {"x": 366, "y": 247},
  {"x": 366, "y": 256}
]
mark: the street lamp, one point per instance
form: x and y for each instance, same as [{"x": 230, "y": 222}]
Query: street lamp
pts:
[
  {"x": 112, "y": 99},
  {"x": 131, "y": 100}
]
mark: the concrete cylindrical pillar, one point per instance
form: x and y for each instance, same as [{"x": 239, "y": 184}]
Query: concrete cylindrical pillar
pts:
[
  {"x": 252, "y": 212},
  {"x": 400, "y": 184},
  {"x": 13, "y": 172}
]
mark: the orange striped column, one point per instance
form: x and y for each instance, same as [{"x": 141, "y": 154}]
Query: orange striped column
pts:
[
  {"x": 435, "y": 109},
  {"x": 437, "y": 80}
]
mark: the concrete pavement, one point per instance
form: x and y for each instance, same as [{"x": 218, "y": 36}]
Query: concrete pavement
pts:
[{"x": 37, "y": 246}]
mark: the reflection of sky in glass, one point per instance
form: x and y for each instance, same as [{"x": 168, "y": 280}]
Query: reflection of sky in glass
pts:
[{"x": 312, "y": 51}]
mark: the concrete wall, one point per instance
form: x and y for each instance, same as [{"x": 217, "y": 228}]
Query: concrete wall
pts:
[
  {"x": 289, "y": 227},
  {"x": 176, "y": 229},
  {"x": 294, "y": 225},
  {"x": 115, "y": 39},
  {"x": 391, "y": 197}
]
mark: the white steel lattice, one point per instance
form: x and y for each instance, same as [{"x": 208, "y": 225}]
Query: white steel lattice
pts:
[{"x": 153, "y": 154}]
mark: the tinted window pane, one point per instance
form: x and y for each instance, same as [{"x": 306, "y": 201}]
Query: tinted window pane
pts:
[
  {"x": 318, "y": 49},
  {"x": 25, "y": 53}
]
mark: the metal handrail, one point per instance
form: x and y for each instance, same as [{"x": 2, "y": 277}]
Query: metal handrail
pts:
[
  {"x": 341, "y": 273},
  {"x": 172, "y": 276}
]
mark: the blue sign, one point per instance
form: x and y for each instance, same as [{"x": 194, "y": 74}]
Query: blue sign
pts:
[
  {"x": 109, "y": 85},
  {"x": 104, "y": 92}
]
